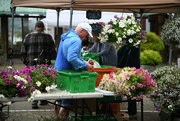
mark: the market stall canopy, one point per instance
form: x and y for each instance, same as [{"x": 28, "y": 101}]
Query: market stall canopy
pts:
[
  {"x": 5, "y": 9},
  {"x": 134, "y": 6}
]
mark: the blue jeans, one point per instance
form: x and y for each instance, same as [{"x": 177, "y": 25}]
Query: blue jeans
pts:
[{"x": 66, "y": 102}]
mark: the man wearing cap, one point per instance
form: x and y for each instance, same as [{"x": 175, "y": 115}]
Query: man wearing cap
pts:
[
  {"x": 38, "y": 48},
  {"x": 69, "y": 58}
]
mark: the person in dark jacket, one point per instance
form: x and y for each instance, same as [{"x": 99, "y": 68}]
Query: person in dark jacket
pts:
[
  {"x": 106, "y": 51},
  {"x": 38, "y": 48},
  {"x": 129, "y": 56}
]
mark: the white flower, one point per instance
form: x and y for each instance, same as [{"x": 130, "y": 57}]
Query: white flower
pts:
[
  {"x": 124, "y": 36},
  {"x": 9, "y": 67},
  {"x": 117, "y": 34},
  {"x": 1, "y": 96},
  {"x": 121, "y": 25},
  {"x": 119, "y": 41},
  {"x": 169, "y": 106},
  {"x": 30, "y": 99},
  {"x": 48, "y": 88},
  {"x": 18, "y": 78},
  {"x": 38, "y": 83},
  {"x": 8, "y": 103},
  {"x": 130, "y": 40},
  {"x": 137, "y": 30}
]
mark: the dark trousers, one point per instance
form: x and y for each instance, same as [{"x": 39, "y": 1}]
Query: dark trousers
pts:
[{"x": 132, "y": 107}]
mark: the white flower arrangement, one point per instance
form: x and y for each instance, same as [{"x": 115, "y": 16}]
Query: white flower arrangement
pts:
[{"x": 122, "y": 30}]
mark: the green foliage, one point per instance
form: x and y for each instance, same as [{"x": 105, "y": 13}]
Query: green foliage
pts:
[
  {"x": 1, "y": 52},
  {"x": 17, "y": 46},
  {"x": 150, "y": 57},
  {"x": 153, "y": 42},
  {"x": 170, "y": 33}
]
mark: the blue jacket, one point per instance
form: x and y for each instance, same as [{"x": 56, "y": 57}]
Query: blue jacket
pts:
[{"x": 69, "y": 52}]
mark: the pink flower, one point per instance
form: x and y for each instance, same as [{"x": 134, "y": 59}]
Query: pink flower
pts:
[
  {"x": 133, "y": 87},
  {"x": 121, "y": 18},
  {"x": 111, "y": 75},
  {"x": 140, "y": 85}
]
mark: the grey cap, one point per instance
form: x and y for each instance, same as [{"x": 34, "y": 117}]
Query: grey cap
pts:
[{"x": 39, "y": 24}]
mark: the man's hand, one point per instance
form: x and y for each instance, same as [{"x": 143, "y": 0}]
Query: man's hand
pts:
[{"x": 89, "y": 67}]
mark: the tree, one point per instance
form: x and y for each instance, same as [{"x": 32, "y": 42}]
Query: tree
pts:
[{"x": 170, "y": 33}]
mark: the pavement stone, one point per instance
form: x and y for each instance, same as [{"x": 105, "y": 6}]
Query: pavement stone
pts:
[{"x": 22, "y": 111}]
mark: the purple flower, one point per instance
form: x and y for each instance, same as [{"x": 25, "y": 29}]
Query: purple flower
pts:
[
  {"x": 143, "y": 37},
  {"x": 8, "y": 81},
  {"x": 115, "y": 16},
  {"x": 45, "y": 72},
  {"x": 121, "y": 18}
]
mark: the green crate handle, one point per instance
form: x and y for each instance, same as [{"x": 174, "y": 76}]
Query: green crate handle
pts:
[{"x": 84, "y": 76}]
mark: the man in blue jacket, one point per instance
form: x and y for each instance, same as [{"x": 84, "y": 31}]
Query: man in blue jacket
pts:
[{"x": 69, "y": 57}]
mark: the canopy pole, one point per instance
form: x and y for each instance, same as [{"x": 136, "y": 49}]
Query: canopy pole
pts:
[
  {"x": 57, "y": 28},
  {"x": 71, "y": 15},
  {"x": 13, "y": 9},
  {"x": 141, "y": 16}
]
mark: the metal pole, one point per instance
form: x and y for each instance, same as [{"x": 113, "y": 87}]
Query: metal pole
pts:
[
  {"x": 71, "y": 15},
  {"x": 57, "y": 28},
  {"x": 13, "y": 9}
]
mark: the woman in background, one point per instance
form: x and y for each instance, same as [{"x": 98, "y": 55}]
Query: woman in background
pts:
[{"x": 106, "y": 51}]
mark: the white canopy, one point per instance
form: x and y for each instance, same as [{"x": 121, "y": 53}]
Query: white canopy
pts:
[{"x": 78, "y": 17}]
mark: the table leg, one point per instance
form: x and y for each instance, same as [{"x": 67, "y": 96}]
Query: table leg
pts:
[
  {"x": 142, "y": 110},
  {"x": 82, "y": 116},
  {"x": 76, "y": 104}
]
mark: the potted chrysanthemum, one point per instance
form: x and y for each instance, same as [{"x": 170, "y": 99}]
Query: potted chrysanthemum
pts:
[
  {"x": 129, "y": 82},
  {"x": 122, "y": 30}
]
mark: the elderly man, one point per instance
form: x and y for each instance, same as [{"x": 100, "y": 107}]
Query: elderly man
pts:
[{"x": 69, "y": 57}]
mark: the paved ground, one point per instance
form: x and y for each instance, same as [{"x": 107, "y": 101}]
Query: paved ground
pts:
[{"x": 22, "y": 111}]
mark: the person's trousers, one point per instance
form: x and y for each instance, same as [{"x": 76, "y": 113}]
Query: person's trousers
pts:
[{"x": 132, "y": 107}]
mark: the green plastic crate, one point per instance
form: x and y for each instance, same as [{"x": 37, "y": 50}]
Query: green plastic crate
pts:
[
  {"x": 76, "y": 81},
  {"x": 92, "y": 56},
  {"x": 93, "y": 118}
]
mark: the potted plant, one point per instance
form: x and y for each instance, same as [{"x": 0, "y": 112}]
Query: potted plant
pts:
[
  {"x": 122, "y": 30},
  {"x": 28, "y": 82},
  {"x": 15, "y": 84},
  {"x": 130, "y": 82},
  {"x": 167, "y": 96},
  {"x": 43, "y": 76},
  {"x": 170, "y": 33}
]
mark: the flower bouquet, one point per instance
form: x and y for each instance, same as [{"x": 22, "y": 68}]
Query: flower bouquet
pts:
[
  {"x": 122, "y": 30},
  {"x": 167, "y": 97},
  {"x": 130, "y": 82},
  {"x": 14, "y": 84}
]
